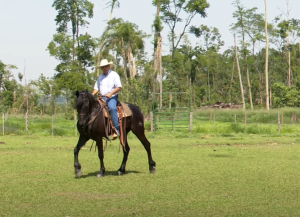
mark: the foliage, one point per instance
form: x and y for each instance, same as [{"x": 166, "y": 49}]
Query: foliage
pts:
[
  {"x": 284, "y": 96},
  {"x": 202, "y": 70},
  {"x": 171, "y": 15}
]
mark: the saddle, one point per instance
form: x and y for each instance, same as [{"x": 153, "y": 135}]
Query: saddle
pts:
[{"x": 123, "y": 112}]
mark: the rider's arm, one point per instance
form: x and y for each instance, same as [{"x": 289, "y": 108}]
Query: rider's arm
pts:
[
  {"x": 94, "y": 92},
  {"x": 113, "y": 92}
]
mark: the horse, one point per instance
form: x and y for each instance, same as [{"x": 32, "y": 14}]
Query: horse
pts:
[{"x": 91, "y": 125}]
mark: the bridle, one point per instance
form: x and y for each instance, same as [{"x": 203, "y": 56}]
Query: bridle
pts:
[
  {"x": 86, "y": 103},
  {"x": 89, "y": 118}
]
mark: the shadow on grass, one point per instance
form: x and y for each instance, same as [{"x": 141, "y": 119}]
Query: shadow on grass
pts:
[
  {"x": 107, "y": 173},
  {"x": 221, "y": 155}
]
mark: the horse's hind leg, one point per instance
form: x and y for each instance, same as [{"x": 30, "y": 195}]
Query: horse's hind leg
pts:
[
  {"x": 81, "y": 141},
  {"x": 140, "y": 134}
]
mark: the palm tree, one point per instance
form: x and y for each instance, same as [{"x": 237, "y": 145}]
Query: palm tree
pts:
[
  {"x": 125, "y": 38},
  {"x": 113, "y": 4}
]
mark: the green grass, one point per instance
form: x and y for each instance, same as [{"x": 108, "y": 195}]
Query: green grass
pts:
[{"x": 204, "y": 175}]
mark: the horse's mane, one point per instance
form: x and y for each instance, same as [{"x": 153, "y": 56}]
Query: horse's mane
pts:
[{"x": 78, "y": 103}]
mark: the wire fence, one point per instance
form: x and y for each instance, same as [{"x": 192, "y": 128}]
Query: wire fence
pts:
[
  {"x": 46, "y": 125},
  {"x": 203, "y": 121}
]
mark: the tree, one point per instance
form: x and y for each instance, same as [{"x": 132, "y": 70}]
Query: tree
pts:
[
  {"x": 171, "y": 12},
  {"x": 209, "y": 36},
  {"x": 112, "y": 4},
  {"x": 210, "y": 44},
  {"x": 248, "y": 23},
  {"x": 5, "y": 74},
  {"x": 73, "y": 12},
  {"x": 239, "y": 73},
  {"x": 7, "y": 83},
  {"x": 157, "y": 25},
  {"x": 267, "y": 57},
  {"x": 284, "y": 35},
  {"x": 127, "y": 39}
]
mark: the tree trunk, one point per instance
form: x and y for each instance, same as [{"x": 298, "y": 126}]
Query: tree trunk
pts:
[
  {"x": 128, "y": 60},
  {"x": 133, "y": 64},
  {"x": 288, "y": 46},
  {"x": 267, "y": 58},
  {"x": 239, "y": 73},
  {"x": 125, "y": 71},
  {"x": 124, "y": 66},
  {"x": 73, "y": 53},
  {"x": 249, "y": 88},
  {"x": 157, "y": 59},
  {"x": 247, "y": 71}
]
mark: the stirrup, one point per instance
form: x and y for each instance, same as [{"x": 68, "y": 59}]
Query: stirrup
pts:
[{"x": 115, "y": 135}]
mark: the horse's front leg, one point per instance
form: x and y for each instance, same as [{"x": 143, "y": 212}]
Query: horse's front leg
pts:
[
  {"x": 81, "y": 141},
  {"x": 122, "y": 170},
  {"x": 99, "y": 144}
]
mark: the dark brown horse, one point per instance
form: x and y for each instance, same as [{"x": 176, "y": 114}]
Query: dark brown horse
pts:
[{"x": 91, "y": 125}]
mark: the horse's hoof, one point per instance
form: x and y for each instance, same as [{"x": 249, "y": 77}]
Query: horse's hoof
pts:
[
  {"x": 99, "y": 175},
  {"x": 120, "y": 173},
  {"x": 77, "y": 174},
  {"x": 152, "y": 170}
]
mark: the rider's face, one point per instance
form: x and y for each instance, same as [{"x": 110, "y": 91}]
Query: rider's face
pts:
[{"x": 105, "y": 69}]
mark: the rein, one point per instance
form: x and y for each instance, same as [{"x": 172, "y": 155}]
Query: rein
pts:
[{"x": 91, "y": 118}]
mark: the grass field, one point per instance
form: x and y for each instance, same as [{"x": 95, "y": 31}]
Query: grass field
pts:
[{"x": 203, "y": 175}]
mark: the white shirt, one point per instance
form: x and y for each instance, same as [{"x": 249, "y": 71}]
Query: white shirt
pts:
[{"x": 106, "y": 84}]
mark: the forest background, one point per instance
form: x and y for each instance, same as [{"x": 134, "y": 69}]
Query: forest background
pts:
[{"x": 206, "y": 70}]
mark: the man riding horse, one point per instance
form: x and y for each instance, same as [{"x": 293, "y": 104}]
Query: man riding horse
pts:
[{"x": 108, "y": 85}]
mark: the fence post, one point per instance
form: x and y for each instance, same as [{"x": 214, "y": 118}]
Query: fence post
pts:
[
  {"x": 281, "y": 117},
  {"x": 52, "y": 126},
  {"x": 278, "y": 122},
  {"x": 151, "y": 119},
  {"x": 245, "y": 117},
  {"x": 3, "y": 124},
  {"x": 214, "y": 122},
  {"x": 191, "y": 121},
  {"x": 26, "y": 122}
]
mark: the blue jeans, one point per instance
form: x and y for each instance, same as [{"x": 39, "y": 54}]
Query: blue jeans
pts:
[{"x": 112, "y": 107}]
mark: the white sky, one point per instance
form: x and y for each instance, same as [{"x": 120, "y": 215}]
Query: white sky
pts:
[{"x": 28, "y": 26}]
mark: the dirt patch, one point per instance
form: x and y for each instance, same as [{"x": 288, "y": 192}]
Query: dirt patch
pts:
[{"x": 2, "y": 143}]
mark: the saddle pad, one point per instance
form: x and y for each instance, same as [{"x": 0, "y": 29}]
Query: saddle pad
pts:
[{"x": 126, "y": 111}]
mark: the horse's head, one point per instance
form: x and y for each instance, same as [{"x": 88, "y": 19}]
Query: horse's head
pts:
[{"x": 83, "y": 106}]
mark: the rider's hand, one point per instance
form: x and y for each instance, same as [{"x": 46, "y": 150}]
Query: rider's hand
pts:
[{"x": 108, "y": 95}]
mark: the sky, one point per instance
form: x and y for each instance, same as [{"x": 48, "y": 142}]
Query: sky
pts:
[{"x": 28, "y": 26}]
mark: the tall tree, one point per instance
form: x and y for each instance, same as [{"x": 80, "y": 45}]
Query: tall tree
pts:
[
  {"x": 157, "y": 25},
  {"x": 171, "y": 12},
  {"x": 210, "y": 42},
  {"x": 72, "y": 12},
  {"x": 245, "y": 20},
  {"x": 112, "y": 4},
  {"x": 239, "y": 72},
  {"x": 267, "y": 57},
  {"x": 129, "y": 39}
]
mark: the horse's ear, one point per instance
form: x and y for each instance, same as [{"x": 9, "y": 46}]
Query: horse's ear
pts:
[{"x": 77, "y": 94}]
